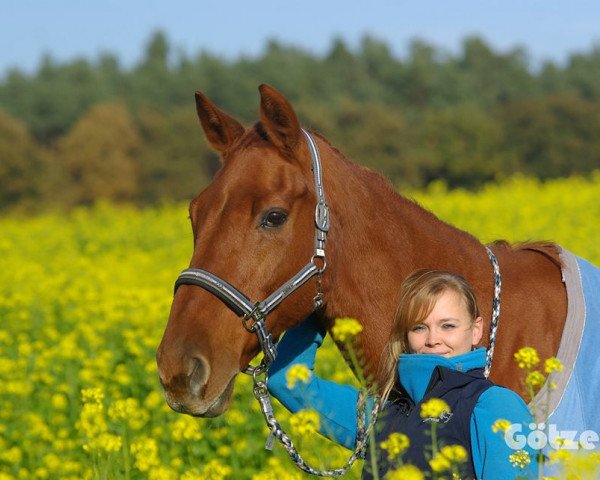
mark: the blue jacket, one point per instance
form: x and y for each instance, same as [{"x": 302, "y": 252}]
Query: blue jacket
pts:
[{"x": 336, "y": 403}]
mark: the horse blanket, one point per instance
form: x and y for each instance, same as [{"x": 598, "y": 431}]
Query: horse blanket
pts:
[{"x": 574, "y": 405}]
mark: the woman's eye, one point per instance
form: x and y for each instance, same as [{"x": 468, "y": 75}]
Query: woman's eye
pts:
[
  {"x": 418, "y": 328},
  {"x": 448, "y": 326},
  {"x": 274, "y": 218}
]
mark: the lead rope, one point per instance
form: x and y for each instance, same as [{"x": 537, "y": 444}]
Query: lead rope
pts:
[
  {"x": 495, "y": 312},
  {"x": 276, "y": 431}
]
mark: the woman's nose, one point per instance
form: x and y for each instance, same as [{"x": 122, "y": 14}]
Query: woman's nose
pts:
[{"x": 433, "y": 338}]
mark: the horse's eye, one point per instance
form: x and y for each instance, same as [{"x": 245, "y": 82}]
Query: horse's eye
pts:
[{"x": 274, "y": 218}]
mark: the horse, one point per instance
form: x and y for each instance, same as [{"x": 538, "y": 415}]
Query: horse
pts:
[{"x": 253, "y": 226}]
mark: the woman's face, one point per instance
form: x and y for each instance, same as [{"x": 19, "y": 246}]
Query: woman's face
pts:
[{"x": 448, "y": 330}]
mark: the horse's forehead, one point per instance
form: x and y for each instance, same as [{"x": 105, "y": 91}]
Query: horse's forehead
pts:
[{"x": 254, "y": 172}]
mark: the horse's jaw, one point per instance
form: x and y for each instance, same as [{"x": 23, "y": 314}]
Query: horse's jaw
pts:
[{"x": 199, "y": 405}]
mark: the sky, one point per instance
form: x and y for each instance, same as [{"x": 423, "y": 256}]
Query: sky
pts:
[{"x": 68, "y": 29}]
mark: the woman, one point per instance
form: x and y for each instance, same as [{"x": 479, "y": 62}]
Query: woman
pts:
[{"x": 431, "y": 354}]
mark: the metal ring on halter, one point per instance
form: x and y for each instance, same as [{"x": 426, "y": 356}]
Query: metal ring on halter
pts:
[{"x": 323, "y": 260}]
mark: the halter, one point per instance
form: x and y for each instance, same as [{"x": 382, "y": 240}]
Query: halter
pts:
[{"x": 254, "y": 313}]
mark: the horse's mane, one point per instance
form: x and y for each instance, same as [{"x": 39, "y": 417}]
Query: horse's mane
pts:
[{"x": 544, "y": 247}]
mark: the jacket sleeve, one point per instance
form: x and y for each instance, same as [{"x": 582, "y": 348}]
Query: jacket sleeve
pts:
[
  {"x": 490, "y": 450},
  {"x": 336, "y": 404}
]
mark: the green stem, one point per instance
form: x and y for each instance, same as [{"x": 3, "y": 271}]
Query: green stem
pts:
[
  {"x": 363, "y": 386},
  {"x": 126, "y": 457}
]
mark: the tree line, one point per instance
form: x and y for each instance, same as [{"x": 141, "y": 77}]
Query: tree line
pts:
[{"x": 76, "y": 132}]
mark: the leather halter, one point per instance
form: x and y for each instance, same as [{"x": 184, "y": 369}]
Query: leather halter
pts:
[{"x": 257, "y": 311}]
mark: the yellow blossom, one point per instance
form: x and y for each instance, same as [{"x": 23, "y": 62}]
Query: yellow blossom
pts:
[
  {"x": 439, "y": 463},
  {"x": 162, "y": 473},
  {"x": 305, "y": 422},
  {"x": 520, "y": 459},
  {"x": 553, "y": 364},
  {"x": 145, "y": 452},
  {"x": 527, "y": 357},
  {"x": 561, "y": 455},
  {"x": 92, "y": 395},
  {"x": 395, "y": 445},
  {"x": 346, "y": 329},
  {"x": 59, "y": 401},
  {"x": 129, "y": 410},
  {"x": 455, "y": 453},
  {"x": 501, "y": 425},
  {"x": 297, "y": 373},
  {"x": 109, "y": 442},
  {"x": 434, "y": 408},
  {"x": 185, "y": 428},
  {"x": 12, "y": 455},
  {"x": 405, "y": 472},
  {"x": 535, "y": 379},
  {"x": 215, "y": 470}
]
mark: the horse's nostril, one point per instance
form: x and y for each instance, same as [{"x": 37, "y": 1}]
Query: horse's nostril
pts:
[{"x": 198, "y": 375}]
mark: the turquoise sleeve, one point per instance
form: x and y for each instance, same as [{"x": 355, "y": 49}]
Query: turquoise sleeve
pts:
[
  {"x": 336, "y": 404},
  {"x": 490, "y": 451}
]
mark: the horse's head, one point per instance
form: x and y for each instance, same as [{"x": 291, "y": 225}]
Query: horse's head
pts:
[{"x": 253, "y": 226}]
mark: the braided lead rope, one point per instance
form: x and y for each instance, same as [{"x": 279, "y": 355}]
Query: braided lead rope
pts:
[
  {"x": 362, "y": 433},
  {"x": 495, "y": 312}
]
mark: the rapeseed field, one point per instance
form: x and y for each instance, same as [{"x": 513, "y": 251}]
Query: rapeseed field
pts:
[{"x": 84, "y": 299}]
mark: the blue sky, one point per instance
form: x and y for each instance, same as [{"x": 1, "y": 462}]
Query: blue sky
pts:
[{"x": 548, "y": 29}]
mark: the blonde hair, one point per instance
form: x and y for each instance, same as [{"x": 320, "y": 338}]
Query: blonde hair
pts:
[{"x": 418, "y": 295}]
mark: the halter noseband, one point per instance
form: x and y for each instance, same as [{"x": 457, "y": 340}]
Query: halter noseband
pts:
[{"x": 257, "y": 311}]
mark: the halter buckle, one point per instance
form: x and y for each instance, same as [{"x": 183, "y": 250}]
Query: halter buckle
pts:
[{"x": 256, "y": 315}]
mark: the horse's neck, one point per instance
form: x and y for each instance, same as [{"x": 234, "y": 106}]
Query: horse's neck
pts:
[{"x": 377, "y": 238}]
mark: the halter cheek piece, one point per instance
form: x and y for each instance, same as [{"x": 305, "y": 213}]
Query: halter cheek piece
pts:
[{"x": 254, "y": 314}]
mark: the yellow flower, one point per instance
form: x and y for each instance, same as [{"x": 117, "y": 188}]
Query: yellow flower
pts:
[
  {"x": 296, "y": 373},
  {"x": 439, "y": 463},
  {"x": 501, "y": 425},
  {"x": 162, "y": 473},
  {"x": 12, "y": 455},
  {"x": 553, "y": 364},
  {"x": 109, "y": 442},
  {"x": 527, "y": 357},
  {"x": 535, "y": 379},
  {"x": 345, "y": 329},
  {"x": 92, "y": 395},
  {"x": 520, "y": 459},
  {"x": 128, "y": 409},
  {"x": 215, "y": 470},
  {"x": 434, "y": 408},
  {"x": 561, "y": 455},
  {"x": 395, "y": 445},
  {"x": 455, "y": 453},
  {"x": 91, "y": 420},
  {"x": 145, "y": 452},
  {"x": 186, "y": 428},
  {"x": 305, "y": 422},
  {"x": 59, "y": 401},
  {"x": 405, "y": 472}
]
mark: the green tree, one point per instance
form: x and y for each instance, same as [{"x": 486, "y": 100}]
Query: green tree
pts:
[
  {"x": 98, "y": 157},
  {"x": 23, "y": 166},
  {"x": 175, "y": 162},
  {"x": 460, "y": 145},
  {"x": 553, "y": 136}
]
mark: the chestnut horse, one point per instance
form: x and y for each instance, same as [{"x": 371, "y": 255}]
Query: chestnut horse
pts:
[{"x": 254, "y": 226}]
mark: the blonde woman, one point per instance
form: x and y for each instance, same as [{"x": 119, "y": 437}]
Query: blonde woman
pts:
[{"x": 432, "y": 353}]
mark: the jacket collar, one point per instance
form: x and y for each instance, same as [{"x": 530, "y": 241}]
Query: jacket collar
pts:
[{"x": 414, "y": 370}]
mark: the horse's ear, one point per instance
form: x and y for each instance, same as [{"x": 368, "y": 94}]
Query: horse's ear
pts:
[
  {"x": 279, "y": 119},
  {"x": 221, "y": 129}
]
